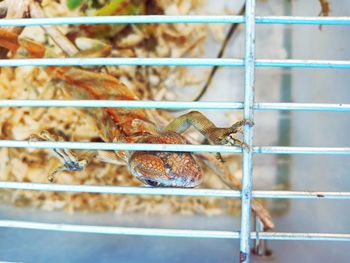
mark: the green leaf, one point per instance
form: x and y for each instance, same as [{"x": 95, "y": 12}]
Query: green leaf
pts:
[
  {"x": 114, "y": 7},
  {"x": 72, "y": 4}
]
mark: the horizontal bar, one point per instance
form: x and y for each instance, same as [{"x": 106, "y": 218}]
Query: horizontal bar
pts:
[
  {"x": 161, "y": 232},
  {"x": 223, "y": 62},
  {"x": 129, "y": 19},
  {"x": 172, "y": 191},
  {"x": 155, "y": 232},
  {"x": 171, "y": 147},
  {"x": 121, "y": 61},
  {"x": 303, "y": 63},
  {"x": 120, "y": 189},
  {"x": 119, "y": 146},
  {"x": 144, "y": 19},
  {"x": 340, "y": 107},
  {"x": 306, "y": 20},
  {"x": 122, "y": 104},
  {"x": 307, "y": 195},
  {"x": 301, "y": 236},
  {"x": 302, "y": 150}
]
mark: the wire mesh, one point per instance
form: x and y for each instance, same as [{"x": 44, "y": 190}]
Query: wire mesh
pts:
[{"x": 245, "y": 234}]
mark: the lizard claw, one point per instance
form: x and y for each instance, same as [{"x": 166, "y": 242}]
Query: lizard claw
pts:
[
  {"x": 219, "y": 157},
  {"x": 34, "y": 138},
  {"x": 249, "y": 122},
  {"x": 51, "y": 177},
  {"x": 245, "y": 146},
  {"x": 232, "y": 141}
]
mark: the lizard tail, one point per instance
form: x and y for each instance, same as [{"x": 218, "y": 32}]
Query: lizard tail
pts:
[
  {"x": 262, "y": 214},
  {"x": 234, "y": 182}
]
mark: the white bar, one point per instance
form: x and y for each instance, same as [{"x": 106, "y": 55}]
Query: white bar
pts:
[
  {"x": 340, "y": 107},
  {"x": 120, "y": 189},
  {"x": 156, "y": 232},
  {"x": 119, "y": 146},
  {"x": 144, "y": 19},
  {"x": 173, "y": 191},
  {"x": 123, "y": 104},
  {"x": 223, "y": 62},
  {"x": 302, "y": 150},
  {"x": 172, "y": 147},
  {"x": 161, "y": 232}
]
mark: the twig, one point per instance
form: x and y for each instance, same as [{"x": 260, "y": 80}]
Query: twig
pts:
[
  {"x": 230, "y": 33},
  {"x": 3, "y": 9},
  {"x": 16, "y": 9},
  {"x": 13, "y": 9},
  {"x": 232, "y": 181},
  {"x": 60, "y": 39}
]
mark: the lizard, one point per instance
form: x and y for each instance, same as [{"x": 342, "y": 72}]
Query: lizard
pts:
[{"x": 153, "y": 168}]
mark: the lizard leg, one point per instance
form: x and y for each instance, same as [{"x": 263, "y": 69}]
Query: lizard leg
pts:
[
  {"x": 206, "y": 127},
  {"x": 72, "y": 161}
]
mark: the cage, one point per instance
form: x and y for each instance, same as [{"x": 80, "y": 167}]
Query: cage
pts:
[{"x": 303, "y": 79}]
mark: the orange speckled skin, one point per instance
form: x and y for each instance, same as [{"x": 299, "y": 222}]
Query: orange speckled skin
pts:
[
  {"x": 172, "y": 169},
  {"x": 163, "y": 169}
]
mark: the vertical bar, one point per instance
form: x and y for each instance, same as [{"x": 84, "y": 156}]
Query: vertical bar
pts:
[
  {"x": 260, "y": 245},
  {"x": 248, "y": 131}
]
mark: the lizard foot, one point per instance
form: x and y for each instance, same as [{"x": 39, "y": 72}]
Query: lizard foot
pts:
[
  {"x": 232, "y": 141},
  {"x": 226, "y": 136},
  {"x": 70, "y": 160}
]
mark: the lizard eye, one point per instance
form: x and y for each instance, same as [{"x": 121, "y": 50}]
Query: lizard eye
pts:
[{"x": 151, "y": 182}]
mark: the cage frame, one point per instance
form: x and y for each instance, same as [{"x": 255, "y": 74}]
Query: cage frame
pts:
[{"x": 249, "y": 106}]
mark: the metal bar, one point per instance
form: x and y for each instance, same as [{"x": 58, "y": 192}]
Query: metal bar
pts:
[
  {"x": 144, "y": 19},
  {"x": 172, "y": 147},
  {"x": 340, "y": 107},
  {"x": 174, "y": 191},
  {"x": 306, "y": 195},
  {"x": 161, "y": 232},
  {"x": 155, "y": 232},
  {"x": 121, "y": 61},
  {"x": 260, "y": 245},
  {"x": 301, "y": 106},
  {"x": 223, "y": 62},
  {"x": 306, "y": 20},
  {"x": 120, "y": 189},
  {"x": 130, "y": 19},
  {"x": 301, "y": 150},
  {"x": 119, "y": 146},
  {"x": 247, "y": 162},
  {"x": 302, "y": 236},
  {"x": 124, "y": 104},
  {"x": 303, "y": 63}
]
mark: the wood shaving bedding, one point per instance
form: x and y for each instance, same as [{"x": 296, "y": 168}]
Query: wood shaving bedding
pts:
[{"x": 33, "y": 165}]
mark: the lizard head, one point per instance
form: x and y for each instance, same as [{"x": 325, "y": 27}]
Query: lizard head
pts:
[{"x": 165, "y": 169}]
